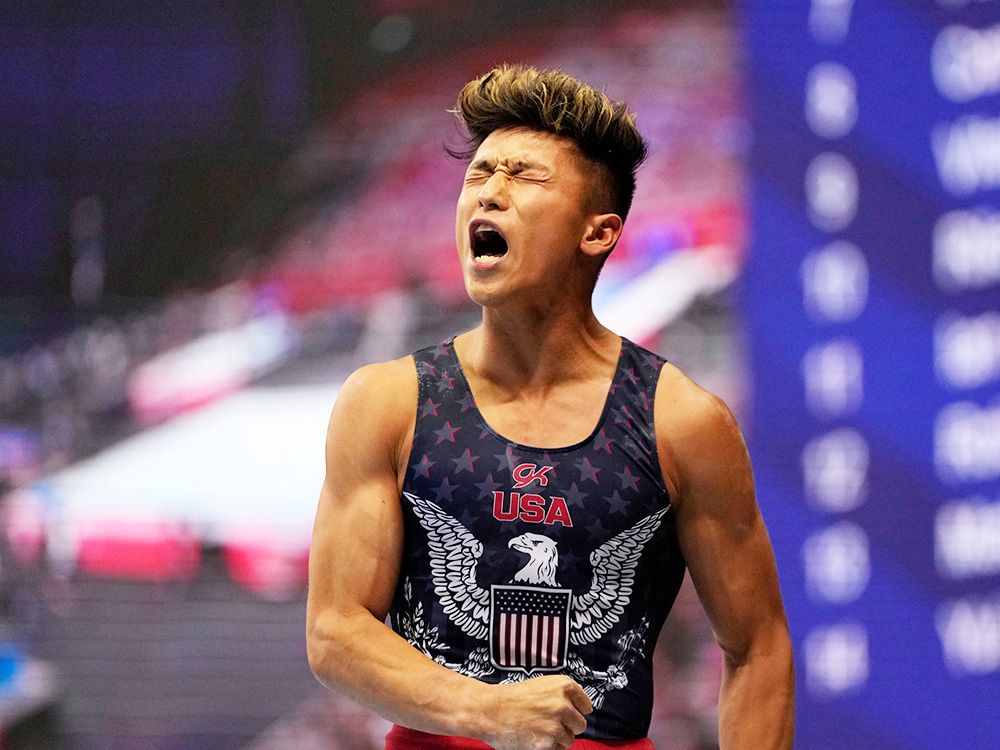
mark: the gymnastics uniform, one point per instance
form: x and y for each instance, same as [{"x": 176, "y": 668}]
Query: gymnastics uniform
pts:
[{"x": 520, "y": 561}]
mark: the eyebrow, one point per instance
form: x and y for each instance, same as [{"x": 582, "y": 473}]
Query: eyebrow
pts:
[{"x": 516, "y": 165}]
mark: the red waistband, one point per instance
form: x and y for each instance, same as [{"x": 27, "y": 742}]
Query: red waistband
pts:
[{"x": 401, "y": 738}]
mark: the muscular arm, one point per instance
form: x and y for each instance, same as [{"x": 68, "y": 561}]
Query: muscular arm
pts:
[
  {"x": 729, "y": 555},
  {"x": 353, "y": 568}
]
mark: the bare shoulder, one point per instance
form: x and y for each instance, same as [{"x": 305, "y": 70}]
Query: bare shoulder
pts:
[
  {"x": 385, "y": 389},
  {"x": 681, "y": 404},
  {"x": 376, "y": 409},
  {"x": 695, "y": 431}
]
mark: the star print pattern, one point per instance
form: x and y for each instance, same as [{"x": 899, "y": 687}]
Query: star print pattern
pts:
[
  {"x": 569, "y": 559},
  {"x": 644, "y": 397},
  {"x": 616, "y": 504},
  {"x": 464, "y": 462},
  {"x": 508, "y": 461},
  {"x": 597, "y": 533},
  {"x": 629, "y": 482},
  {"x": 630, "y": 447},
  {"x": 574, "y": 496},
  {"x": 467, "y": 517},
  {"x": 444, "y": 490},
  {"x": 587, "y": 470},
  {"x": 487, "y": 487},
  {"x": 652, "y": 504},
  {"x": 446, "y": 433},
  {"x": 423, "y": 468},
  {"x": 592, "y": 493},
  {"x": 623, "y": 417},
  {"x": 602, "y": 442},
  {"x": 429, "y": 408}
]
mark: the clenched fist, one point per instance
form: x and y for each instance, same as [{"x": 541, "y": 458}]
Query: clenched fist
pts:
[{"x": 543, "y": 713}]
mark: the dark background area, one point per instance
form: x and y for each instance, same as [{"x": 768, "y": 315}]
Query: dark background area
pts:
[{"x": 179, "y": 119}]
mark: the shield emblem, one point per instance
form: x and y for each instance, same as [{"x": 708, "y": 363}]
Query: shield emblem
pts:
[{"x": 529, "y": 627}]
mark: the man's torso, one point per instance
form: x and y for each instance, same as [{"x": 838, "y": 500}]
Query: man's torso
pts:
[{"x": 520, "y": 560}]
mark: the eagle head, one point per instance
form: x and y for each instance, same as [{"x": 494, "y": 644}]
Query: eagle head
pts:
[{"x": 543, "y": 559}]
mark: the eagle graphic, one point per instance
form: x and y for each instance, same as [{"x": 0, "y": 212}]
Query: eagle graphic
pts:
[{"x": 455, "y": 553}]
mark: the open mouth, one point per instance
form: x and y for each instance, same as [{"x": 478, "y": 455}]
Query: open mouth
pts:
[{"x": 487, "y": 241}]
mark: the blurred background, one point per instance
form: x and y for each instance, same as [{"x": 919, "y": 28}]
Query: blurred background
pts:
[{"x": 212, "y": 211}]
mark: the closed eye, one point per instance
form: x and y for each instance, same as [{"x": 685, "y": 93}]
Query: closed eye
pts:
[
  {"x": 530, "y": 177},
  {"x": 477, "y": 176},
  {"x": 523, "y": 171},
  {"x": 473, "y": 177}
]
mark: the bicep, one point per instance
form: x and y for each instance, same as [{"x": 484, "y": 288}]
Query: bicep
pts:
[
  {"x": 722, "y": 533},
  {"x": 358, "y": 532},
  {"x": 356, "y": 547}
]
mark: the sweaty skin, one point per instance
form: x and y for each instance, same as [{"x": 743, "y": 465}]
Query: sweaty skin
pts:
[{"x": 540, "y": 366}]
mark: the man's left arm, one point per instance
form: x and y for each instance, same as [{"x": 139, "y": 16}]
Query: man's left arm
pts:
[{"x": 729, "y": 555}]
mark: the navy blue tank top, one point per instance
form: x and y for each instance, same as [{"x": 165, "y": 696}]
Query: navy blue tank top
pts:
[{"x": 520, "y": 561}]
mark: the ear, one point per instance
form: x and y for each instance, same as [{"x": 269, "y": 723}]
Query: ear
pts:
[{"x": 601, "y": 235}]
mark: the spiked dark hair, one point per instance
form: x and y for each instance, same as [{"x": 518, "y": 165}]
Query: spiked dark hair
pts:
[{"x": 514, "y": 96}]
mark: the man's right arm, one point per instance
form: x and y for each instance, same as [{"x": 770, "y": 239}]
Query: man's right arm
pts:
[{"x": 353, "y": 569}]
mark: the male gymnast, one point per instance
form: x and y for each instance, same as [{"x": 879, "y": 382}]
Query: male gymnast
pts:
[{"x": 521, "y": 501}]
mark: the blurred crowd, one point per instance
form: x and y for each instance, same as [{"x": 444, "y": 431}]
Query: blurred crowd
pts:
[{"x": 66, "y": 397}]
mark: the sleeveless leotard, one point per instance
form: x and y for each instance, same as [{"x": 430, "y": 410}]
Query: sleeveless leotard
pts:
[{"x": 520, "y": 561}]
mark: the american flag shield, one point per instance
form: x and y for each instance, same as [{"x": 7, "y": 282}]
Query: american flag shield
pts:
[{"x": 529, "y": 627}]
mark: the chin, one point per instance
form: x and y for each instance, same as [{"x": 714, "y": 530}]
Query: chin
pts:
[
  {"x": 486, "y": 295},
  {"x": 480, "y": 296},
  {"x": 497, "y": 293}
]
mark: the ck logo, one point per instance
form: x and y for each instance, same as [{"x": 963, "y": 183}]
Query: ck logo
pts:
[{"x": 525, "y": 474}]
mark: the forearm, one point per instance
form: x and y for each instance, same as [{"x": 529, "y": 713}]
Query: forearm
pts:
[
  {"x": 363, "y": 658},
  {"x": 757, "y": 702}
]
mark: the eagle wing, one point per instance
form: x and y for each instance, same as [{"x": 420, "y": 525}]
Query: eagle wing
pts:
[
  {"x": 454, "y": 554},
  {"x": 614, "y": 563}
]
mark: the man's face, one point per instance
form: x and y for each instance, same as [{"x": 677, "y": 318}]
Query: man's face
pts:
[{"x": 522, "y": 213}]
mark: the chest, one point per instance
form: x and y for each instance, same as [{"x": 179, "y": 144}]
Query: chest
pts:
[{"x": 556, "y": 418}]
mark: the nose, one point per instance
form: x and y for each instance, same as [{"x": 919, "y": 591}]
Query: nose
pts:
[{"x": 493, "y": 194}]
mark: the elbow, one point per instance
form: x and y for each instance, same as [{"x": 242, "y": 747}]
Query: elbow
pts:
[
  {"x": 333, "y": 638},
  {"x": 317, "y": 648},
  {"x": 757, "y": 699},
  {"x": 323, "y": 650},
  {"x": 771, "y": 644}
]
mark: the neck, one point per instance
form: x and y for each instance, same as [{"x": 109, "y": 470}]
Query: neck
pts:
[{"x": 539, "y": 347}]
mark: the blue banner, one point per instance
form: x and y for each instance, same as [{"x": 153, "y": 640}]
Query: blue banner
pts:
[{"x": 872, "y": 301}]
